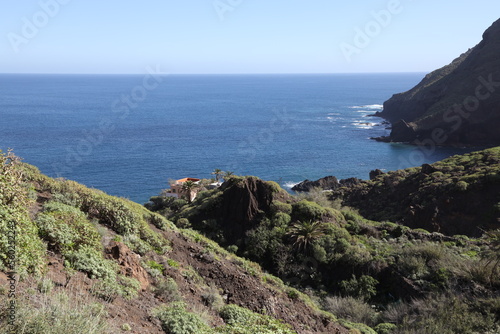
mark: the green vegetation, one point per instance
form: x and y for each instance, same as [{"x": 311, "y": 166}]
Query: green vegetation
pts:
[
  {"x": 369, "y": 275},
  {"x": 20, "y": 248},
  {"x": 363, "y": 269},
  {"x": 176, "y": 319},
  {"x": 57, "y": 313}
]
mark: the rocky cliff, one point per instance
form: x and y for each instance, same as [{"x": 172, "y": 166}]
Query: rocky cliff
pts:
[
  {"x": 459, "y": 195},
  {"x": 458, "y": 104}
]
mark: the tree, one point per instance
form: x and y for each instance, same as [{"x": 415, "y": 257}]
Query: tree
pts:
[
  {"x": 227, "y": 175},
  {"x": 188, "y": 187},
  {"x": 303, "y": 234},
  {"x": 218, "y": 173}
]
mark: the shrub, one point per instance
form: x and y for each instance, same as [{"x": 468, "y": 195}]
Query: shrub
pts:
[
  {"x": 280, "y": 207},
  {"x": 129, "y": 287},
  {"x": 306, "y": 211},
  {"x": 155, "y": 265},
  {"x": 351, "y": 309},
  {"x": 126, "y": 327},
  {"x": 243, "y": 321},
  {"x": 108, "y": 290},
  {"x": 385, "y": 328},
  {"x": 183, "y": 223},
  {"x": 292, "y": 293},
  {"x": 412, "y": 266},
  {"x": 168, "y": 290},
  {"x": 16, "y": 227},
  {"x": 232, "y": 249},
  {"x": 175, "y": 319},
  {"x": 66, "y": 228},
  {"x": 173, "y": 263},
  {"x": 363, "y": 288},
  {"x": 45, "y": 285},
  {"x": 92, "y": 262},
  {"x": 60, "y": 313},
  {"x": 461, "y": 186},
  {"x": 441, "y": 314},
  {"x": 281, "y": 219},
  {"x": 211, "y": 297},
  {"x": 273, "y": 186}
]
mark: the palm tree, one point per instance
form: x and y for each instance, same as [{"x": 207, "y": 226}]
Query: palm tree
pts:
[
  {"x": 217, "y": 172},
  {"x": 227, "y": 175},
  {"x": 188, "y": 187},
  {"x": 303, "y": 234}
]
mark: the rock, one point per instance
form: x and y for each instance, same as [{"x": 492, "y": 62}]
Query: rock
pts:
[
  {"x": 428, "y": 169},
  {"x": 375, "y": 173},
  {"x": 352, "y": 181},
  {"x": 128, "y": 261},
  {"x": 239, "y": 208},
  {"x": 326, "y": 183},
  {"x": 403, "y": 132}
]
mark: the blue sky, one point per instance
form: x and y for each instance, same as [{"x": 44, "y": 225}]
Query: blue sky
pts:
[{"x": 238, "y": 36}]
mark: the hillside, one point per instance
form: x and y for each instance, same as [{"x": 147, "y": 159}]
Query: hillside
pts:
[
  {"x": 87, "y": 262},
  {"x": 391, "y": 277},
  {"x": 247, "y": 257},
  {"x": 458, "y": 104},
  {"x": 459, "y": 195}
]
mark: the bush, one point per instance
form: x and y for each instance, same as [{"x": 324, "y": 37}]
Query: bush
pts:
[
  {"x": 168, "y": 290},
  {"x": 385, "y": 328},
  {"x": 280, "y": 207},
  {"x": 45, "y": 285},
  {"x": 66, "y": 228},
  {"x": 281, "y": 220},
  {"x": 351, "y": 309},
  {"x": 175, "y": 319},
  {"x": 155, "y": 265},
  {"x": 15, "y": 219},
  {"x": 232, "y": 249},
  {"x": 173, "y": 263},
  {"x": 136, "y": 244},
  {"x": 461, "y": 186},
  {"x": 243, "y": 321},
  {"x": 108, "y": 290},
  {"x": 92, "y": 262},
  {"x": 306, "y": 211},
  {"x": 441, "y": 314},
  {"x": 363, "y": 288},
  {"x": 60, "y": 313},
  {"x": 183, "y": 223},
  {"x": 212, "y": 298}
]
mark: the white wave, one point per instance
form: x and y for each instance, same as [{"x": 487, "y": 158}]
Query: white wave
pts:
[
  {"x": 369, "y": 106},
  {"x": 290, "y": 184},
  {"x": 364, "y": 125}
]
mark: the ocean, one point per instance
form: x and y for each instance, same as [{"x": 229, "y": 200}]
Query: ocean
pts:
[{"x": 128, "y": 135}]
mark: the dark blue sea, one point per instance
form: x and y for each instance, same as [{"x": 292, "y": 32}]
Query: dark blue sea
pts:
[{"x": 129, "y": 134}]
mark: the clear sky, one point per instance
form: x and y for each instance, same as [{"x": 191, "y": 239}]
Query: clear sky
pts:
[{"x": 238, "y": 36}]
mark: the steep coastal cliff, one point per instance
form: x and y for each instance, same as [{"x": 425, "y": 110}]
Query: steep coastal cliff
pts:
[{"x": 458, "y": 104}]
